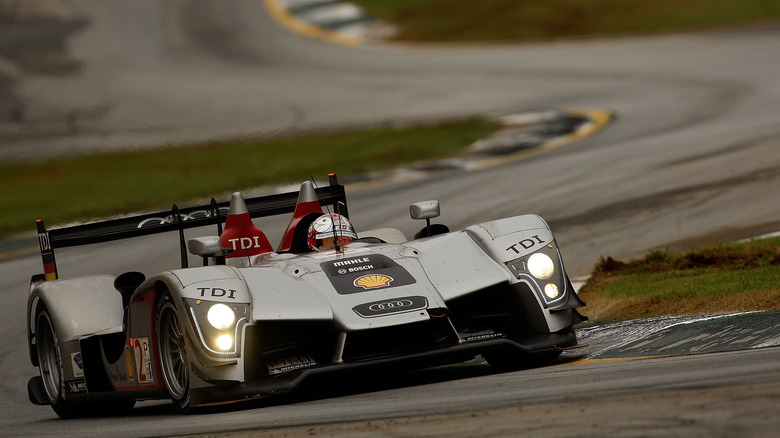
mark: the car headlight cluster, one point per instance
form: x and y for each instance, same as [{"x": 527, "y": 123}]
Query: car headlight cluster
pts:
[
  {"x": 218, "y": 324},
  {"x": 542, "y": 267},
  {"x": 222, "y": 317},
  {"x": 542, "y": 270}
]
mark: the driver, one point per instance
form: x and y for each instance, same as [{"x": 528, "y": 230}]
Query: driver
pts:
[{"x": 324, "y": 231}]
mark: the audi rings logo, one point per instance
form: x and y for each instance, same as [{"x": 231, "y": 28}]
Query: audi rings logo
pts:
[
  {"x": 388, "y": 307},
  {"x": 170, "y": 219},
  {"x": 398, "y": 304}
]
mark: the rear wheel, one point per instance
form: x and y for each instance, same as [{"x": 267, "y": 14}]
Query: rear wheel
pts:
[
  {"x": 173, "y": 354},
  {"x": 50, "y": 366}
]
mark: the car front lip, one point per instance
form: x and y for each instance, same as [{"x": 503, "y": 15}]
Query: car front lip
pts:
[{"x": 273, "y": 385}]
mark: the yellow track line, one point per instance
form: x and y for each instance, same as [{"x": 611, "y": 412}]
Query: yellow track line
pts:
[
  {"x": 291, "y": 22},
  {"x": 598, "y": 120}
]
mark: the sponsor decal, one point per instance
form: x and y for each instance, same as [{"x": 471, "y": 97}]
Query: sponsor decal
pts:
[
  {"x": 246, "y": 243},
  {"x": 76, "y": 386},
  {"x": 526, "y": 244},
  {"x": 217, "y": 292},
  {"x": 373, "y": 281},
  {"x": 349, "y": 266},
  {"x": 129, "y": 363},
  {"x": 44, "y": 242},
  {"x": 289, "y": 364},
  {"x": 77, "y": 364},
  {"x": 391, "y": 306},
  {"x": 363, "y": 273},
  {"x": 348, "y": 262},
  {"x": 343, "y": 271},
  {"x": 143, "y": 360},
  {"x": 480, "y": 335}
]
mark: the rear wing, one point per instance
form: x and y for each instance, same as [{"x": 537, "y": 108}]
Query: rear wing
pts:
[{"x": 175, "y": 219}]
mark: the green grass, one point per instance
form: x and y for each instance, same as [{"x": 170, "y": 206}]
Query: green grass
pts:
[
  {"x": 492, "y": 20},
  {"x": 721, "y": 278},
  {"x": 95, "y": 186}
]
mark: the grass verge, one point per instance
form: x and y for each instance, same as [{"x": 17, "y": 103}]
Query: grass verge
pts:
[
  {"x": 493, "y": 20},
  {"x": 94, "y": 186},
  {"x": 733, "y": 277}
]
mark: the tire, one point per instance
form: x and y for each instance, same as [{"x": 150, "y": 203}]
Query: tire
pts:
[
  {"x": 172, "y": 352},
  {"x": 50, "y": 367}
]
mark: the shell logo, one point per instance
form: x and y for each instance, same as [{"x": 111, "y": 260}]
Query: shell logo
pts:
[{"x": 372, "y": 281}]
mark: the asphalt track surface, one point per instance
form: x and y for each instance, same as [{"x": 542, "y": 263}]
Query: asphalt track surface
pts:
[{"x": 691, "y": 158}]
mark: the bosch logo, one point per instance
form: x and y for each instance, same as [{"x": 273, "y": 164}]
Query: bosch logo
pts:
[
  {"x": 390, "y": 305},
  {"x": 343, "y": 271}
]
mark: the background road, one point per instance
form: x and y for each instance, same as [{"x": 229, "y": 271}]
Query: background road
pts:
[{"x": 692, "y": 158}]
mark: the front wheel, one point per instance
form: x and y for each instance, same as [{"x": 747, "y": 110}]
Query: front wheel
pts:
[{"x": 173, "y": 354}]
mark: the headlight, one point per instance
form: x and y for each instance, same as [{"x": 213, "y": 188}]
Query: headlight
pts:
[
  {"x": 541, "y": 266},
  {"x": 551, "y": 291},
  {"x": 225, "y": 342},
  {"x": 221, "y": 317}
]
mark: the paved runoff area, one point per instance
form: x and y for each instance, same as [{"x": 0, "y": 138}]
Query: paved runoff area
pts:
[{"x": 681, "y": 335}]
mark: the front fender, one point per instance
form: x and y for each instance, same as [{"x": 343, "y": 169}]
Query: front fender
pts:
[
  {"x": 192, "y": 291},
  {"x": 510, "y": 238},
  {"x": 512, "y": 242}
]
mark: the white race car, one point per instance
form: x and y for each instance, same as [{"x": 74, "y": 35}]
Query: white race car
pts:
[{"x": 252, "y": 321}]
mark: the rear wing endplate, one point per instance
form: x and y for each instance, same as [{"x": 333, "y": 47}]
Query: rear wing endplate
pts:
[{"x": 175, "y": 219}]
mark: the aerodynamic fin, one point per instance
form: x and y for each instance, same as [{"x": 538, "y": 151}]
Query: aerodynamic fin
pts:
[
  {"x": 240, "y": 234},
  {"x": 308, "y": 203}
]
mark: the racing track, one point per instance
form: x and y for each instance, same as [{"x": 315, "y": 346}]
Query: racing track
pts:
[{"x": 692, "y": 158}]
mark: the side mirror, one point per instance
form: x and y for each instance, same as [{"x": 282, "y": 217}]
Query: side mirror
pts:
[
  {"x": 425, "y": 210},
  {"x": 206, "y": 247}
]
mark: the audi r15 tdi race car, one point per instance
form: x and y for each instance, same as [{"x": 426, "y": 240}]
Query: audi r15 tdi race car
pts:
[{"x": 251, "y": 320}]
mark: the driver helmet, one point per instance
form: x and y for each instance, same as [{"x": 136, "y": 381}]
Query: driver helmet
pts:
[{"x": 326, "y": 228}]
